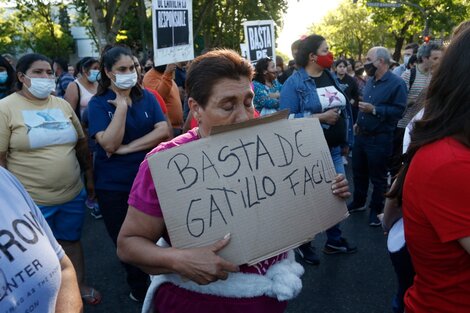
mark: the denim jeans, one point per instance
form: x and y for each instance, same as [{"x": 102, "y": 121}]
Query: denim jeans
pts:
[
  {"x": 333, "y": 234},
  {"x": 370, "y": 159}
]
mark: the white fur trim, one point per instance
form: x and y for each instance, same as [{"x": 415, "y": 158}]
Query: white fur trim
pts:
[{"x": 281, "y": 281}]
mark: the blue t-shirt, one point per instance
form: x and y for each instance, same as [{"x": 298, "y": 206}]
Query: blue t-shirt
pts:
[{"x": 117, "y": 172}]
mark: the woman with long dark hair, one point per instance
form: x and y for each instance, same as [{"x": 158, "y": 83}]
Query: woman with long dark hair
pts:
[
  {"x": 7, "y": 78},
  {"x": 126, "y": 122},
  {"x": 266, "y": 87},
  {"x": 433, "y": 192},
  {"x": 313, "y": 91}
]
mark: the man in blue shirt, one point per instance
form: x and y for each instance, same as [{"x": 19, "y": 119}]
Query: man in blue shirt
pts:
[{"x": 384, "y": 103}]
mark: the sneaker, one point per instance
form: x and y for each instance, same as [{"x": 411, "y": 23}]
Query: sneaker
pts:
[
  {"x": 345, "y": 160},
  {"x": 374, "y": 220},
  {"x": 353, "y": 208},
  {"x": 307, "y": 253},
  {"x": 90, "y": 203},
  {"x": 339, "y": 247}
]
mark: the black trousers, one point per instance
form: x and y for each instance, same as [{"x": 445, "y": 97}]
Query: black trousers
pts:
[{"x": 113, "y": 205}]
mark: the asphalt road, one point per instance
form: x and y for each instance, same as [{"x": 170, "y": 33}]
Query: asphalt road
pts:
[{"x": 358, "y": 283}]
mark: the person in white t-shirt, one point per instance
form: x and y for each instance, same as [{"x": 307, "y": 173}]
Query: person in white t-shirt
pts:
[{"x": 35, "y": 273}]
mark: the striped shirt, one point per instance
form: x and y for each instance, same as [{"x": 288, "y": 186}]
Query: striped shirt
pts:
[{"x": 418, "y": 87}]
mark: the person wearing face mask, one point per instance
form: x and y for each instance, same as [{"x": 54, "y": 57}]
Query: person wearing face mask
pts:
[
  {"x": 383, "y": 104},
  {"x": 42, "y": 143},
  {"x": 410, "y": 50},
  {"x": 199, "y": 279},
  {"x": 78, "y": 94},
  {"x": 360, "y": 80},
  {"x": 266, "y": 87},
  {"x": 127, "y": 122},
  {"x": 313, "y": 91},
  {"x": 7, "y": 78}
]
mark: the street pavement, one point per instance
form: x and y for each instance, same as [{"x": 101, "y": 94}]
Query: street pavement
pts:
[{"x": 357, "y": 283}]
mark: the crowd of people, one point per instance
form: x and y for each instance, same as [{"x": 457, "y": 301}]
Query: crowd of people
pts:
[{"x": 77, "y": 137}]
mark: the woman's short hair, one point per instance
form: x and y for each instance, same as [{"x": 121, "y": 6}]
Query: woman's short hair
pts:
[
  {"x": 24, "y": 63},
  {"x": 110, "y": 56},
  {"x": 308, "y": 45},
  {"x": 208, "y": 69},
  {"x": 261, "y": 66},
  {"x": 10, "y": 83}
]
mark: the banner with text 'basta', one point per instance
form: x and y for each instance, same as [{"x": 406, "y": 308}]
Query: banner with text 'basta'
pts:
[
  {"x": 266, "y": 181},
  {"x": 260, "y": 40}
]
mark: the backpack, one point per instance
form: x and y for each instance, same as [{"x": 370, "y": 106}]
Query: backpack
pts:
[{"x": 412, "y": 77}]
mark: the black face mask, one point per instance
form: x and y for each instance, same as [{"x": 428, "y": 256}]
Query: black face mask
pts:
[
  {"x": 147, "y": 68},
  {"x": 370, "y": 69},
  {"x": 359, "y": 71}
]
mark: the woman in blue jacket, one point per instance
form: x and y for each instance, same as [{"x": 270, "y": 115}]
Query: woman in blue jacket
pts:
[{"x": 313, "y": 91}]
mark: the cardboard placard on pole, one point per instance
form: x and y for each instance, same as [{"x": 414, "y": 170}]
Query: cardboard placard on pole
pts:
[
  {"x": 260, "y": 39},
  {"x": 172, "y": 23},
  {"x": 267, "y": 182}
]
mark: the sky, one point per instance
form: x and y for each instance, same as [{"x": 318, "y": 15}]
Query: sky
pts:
[{"x": 300, "y": 15}]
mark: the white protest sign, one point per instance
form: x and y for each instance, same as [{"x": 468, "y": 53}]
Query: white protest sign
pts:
[
  {"x": 267, "y": 183},
  {"x": 260, "y": 39},
  {"x": 172, "y": 31}
]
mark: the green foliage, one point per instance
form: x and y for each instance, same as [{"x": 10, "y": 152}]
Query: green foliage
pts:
[
  {"x": 32, "y": 26},
  {"x": 350, "y": 31},
  {"x": 9, "y": 35},
  {"x": 219, "y": 23},
  {"x": 354, "y": 27}
]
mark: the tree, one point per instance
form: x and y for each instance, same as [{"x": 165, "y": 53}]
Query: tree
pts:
[
  {"x": 216, "y": 23},
  {"x": 408, "y": 22},
  {"x": 219, "y": 23},
  {"x": 106, "y": 18},
  {"x": 350, "y": 31},
  {"x": 9, "y": 34},
  {"x": 33, "y": 26}
]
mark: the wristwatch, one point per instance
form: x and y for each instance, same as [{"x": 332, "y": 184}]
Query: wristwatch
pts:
[{"x": 374, "y": 112}]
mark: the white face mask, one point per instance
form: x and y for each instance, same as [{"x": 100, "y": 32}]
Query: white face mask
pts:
[
  {"x": 125, "y": 81},
  {"x": 41, "y": 88},
  {"x": 406, "y": 59}
]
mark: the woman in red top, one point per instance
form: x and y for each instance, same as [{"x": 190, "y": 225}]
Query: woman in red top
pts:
[{"x": 434, "y": 192}]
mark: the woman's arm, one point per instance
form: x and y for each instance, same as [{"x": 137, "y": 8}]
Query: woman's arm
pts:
[
  {"x": 68, "y": 299},
  {"x": 111, "y": 138},
  {"x": 71, "y": 95},
  {"x": 136, "y": 245},
  {"x": 151, "y": 140}
]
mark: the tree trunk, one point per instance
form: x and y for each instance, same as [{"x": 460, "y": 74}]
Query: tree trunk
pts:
[
  {"x": 400, "y": 39},
  {"x": 142, "y": 18},
  {"x": 95, "y": 9}
]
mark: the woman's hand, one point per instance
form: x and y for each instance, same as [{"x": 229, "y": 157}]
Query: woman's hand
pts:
[
  {"x": 340, "y": 187},
  {"x": 203, "y": 265},
  {"x": 121, "y": 101},
  {"x": 274, "y": 95},
  {"x": 329, "y": 117}
]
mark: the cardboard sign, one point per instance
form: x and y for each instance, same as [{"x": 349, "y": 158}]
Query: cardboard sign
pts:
[
  {"x": 172, "y": 31},
  {"x": 260, "y": 40},
  {"x": 267, "y": 182}
]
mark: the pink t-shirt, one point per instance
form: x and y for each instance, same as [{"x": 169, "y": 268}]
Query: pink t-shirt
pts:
[{"x": 144, "y": 197}]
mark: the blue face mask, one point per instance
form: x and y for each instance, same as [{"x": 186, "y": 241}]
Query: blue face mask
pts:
[
  {"x": 3, "y": 77},
  {"x": 94, "y": 76}
]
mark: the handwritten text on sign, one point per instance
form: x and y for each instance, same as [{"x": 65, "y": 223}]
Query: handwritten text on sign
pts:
[{"x": 252, "y": 182}]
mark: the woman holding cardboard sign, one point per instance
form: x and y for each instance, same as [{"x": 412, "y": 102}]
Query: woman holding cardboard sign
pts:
[{"x": 219, "y": 89}]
